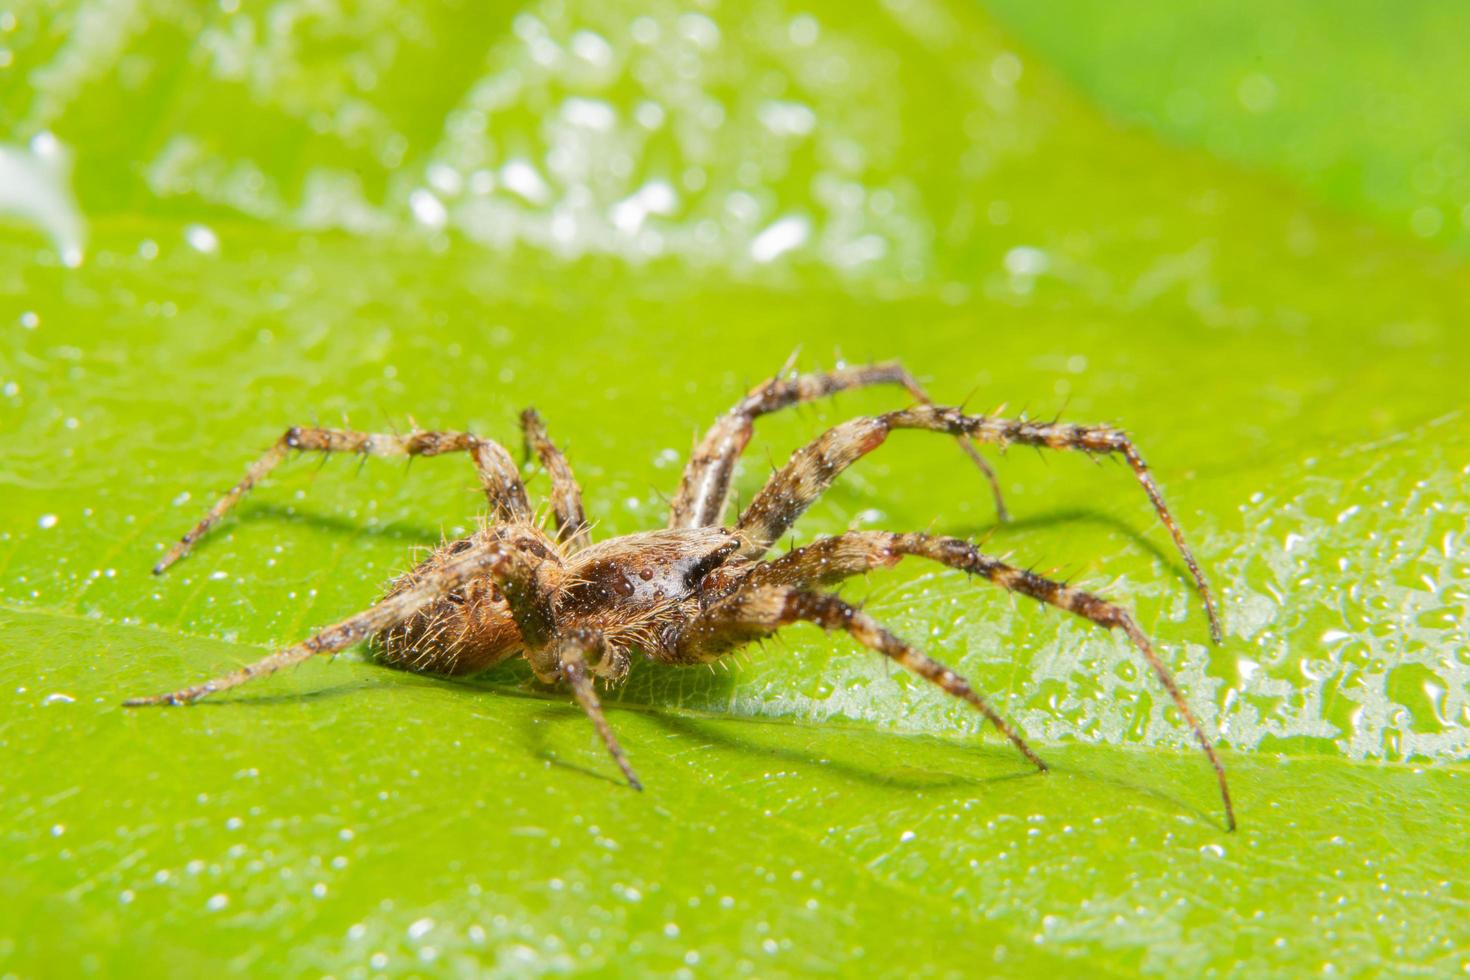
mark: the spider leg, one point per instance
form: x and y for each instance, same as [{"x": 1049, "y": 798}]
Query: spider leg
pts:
[
  {"x": 508, "y": 567},
  {"x": 566, "y": 656},
  {"x": 566, "y": 496},
  {"x": 497, "y": 470},
  {"x": 830, "y": 560},
  {"x": 814, "y": 467},
  {"x": 756, "y": 611},
  {"x": 704, "y": 491}
]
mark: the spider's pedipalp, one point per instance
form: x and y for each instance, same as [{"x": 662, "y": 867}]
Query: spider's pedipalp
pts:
[
  {"x": 498, "y": 476},
  {"x": 830, "y": 560},
  {"x": 566, "y": 659},
  {"x": 704, "y": 490},
  {"x": 815, "y": 466}
]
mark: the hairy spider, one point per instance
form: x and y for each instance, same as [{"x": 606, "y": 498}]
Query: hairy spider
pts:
[{"x": 696, "y": 590}]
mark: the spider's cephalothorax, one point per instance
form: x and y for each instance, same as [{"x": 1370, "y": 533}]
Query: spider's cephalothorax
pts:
[{"x": 692, "y": 592}]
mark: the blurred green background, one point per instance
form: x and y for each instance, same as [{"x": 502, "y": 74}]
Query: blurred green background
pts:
[{"x": 1238, "y": 230}]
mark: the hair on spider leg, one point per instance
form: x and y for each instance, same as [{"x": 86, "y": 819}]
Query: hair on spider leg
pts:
[
  {"x": 321, "y": 465},
  {"x": 790, "y": 363},
  {"x": 964, "y": 405},
  {"x": 1062, "y": 409}
]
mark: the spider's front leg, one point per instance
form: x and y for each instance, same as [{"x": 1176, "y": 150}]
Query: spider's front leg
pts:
[
  {"x": 508, "y": 567},
  {"x": 565, "y": 659},
  {"x": 502, "y": 484},
  {"x": 704, "y": 491},
  {"x": 566, "y": 495},
  {"x": 756, "y": 611}
]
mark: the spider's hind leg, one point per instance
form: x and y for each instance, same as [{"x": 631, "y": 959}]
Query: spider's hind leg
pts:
[
  {"x": 757, "y": 611},
  {"x": 831, "y": 560}
]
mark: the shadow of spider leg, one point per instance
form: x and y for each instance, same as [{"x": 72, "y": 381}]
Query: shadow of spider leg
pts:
[
  {"x": 814, "y": 467},
  {"x": 830, "y": 560},
  {"x": 498, "y": 475},
  {"x": 505, "y": 566},
  {"x": 756, "y": 611},
  {"x": 704, "y": 490}
]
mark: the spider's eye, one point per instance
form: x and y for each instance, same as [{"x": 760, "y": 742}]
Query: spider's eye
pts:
[{"x": 456, "y": 597}]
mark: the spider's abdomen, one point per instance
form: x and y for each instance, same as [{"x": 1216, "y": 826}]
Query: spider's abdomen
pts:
[{"x": 467, "y": 630}]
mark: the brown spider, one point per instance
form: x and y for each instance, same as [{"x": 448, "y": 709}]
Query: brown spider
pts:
[{"x": 694, "y": 591}]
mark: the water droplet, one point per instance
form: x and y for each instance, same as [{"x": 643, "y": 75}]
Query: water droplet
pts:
[
  {"x": 427, "y": 209},
  {"x": 521, "y": 177},
  {"x": 591, "y": 48},
  {"x": 1026, "y": 261},
  {"x": 593, "y": 114},
  {"x": 202, "y": 238},
  {"x": 779, "y": 238},
  {"x": 1006, "y": 69},
  {"x": 1256, "y": 92},
  {"x": 803, "y": 31}
]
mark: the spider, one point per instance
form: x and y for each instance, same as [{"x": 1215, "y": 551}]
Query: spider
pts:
[{"x": 697, "y": 589}]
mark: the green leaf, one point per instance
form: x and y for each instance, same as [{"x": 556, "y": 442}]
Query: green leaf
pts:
[
  {"x": 265, "y": 250},
  {"x": 1331, "y": 96}
]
